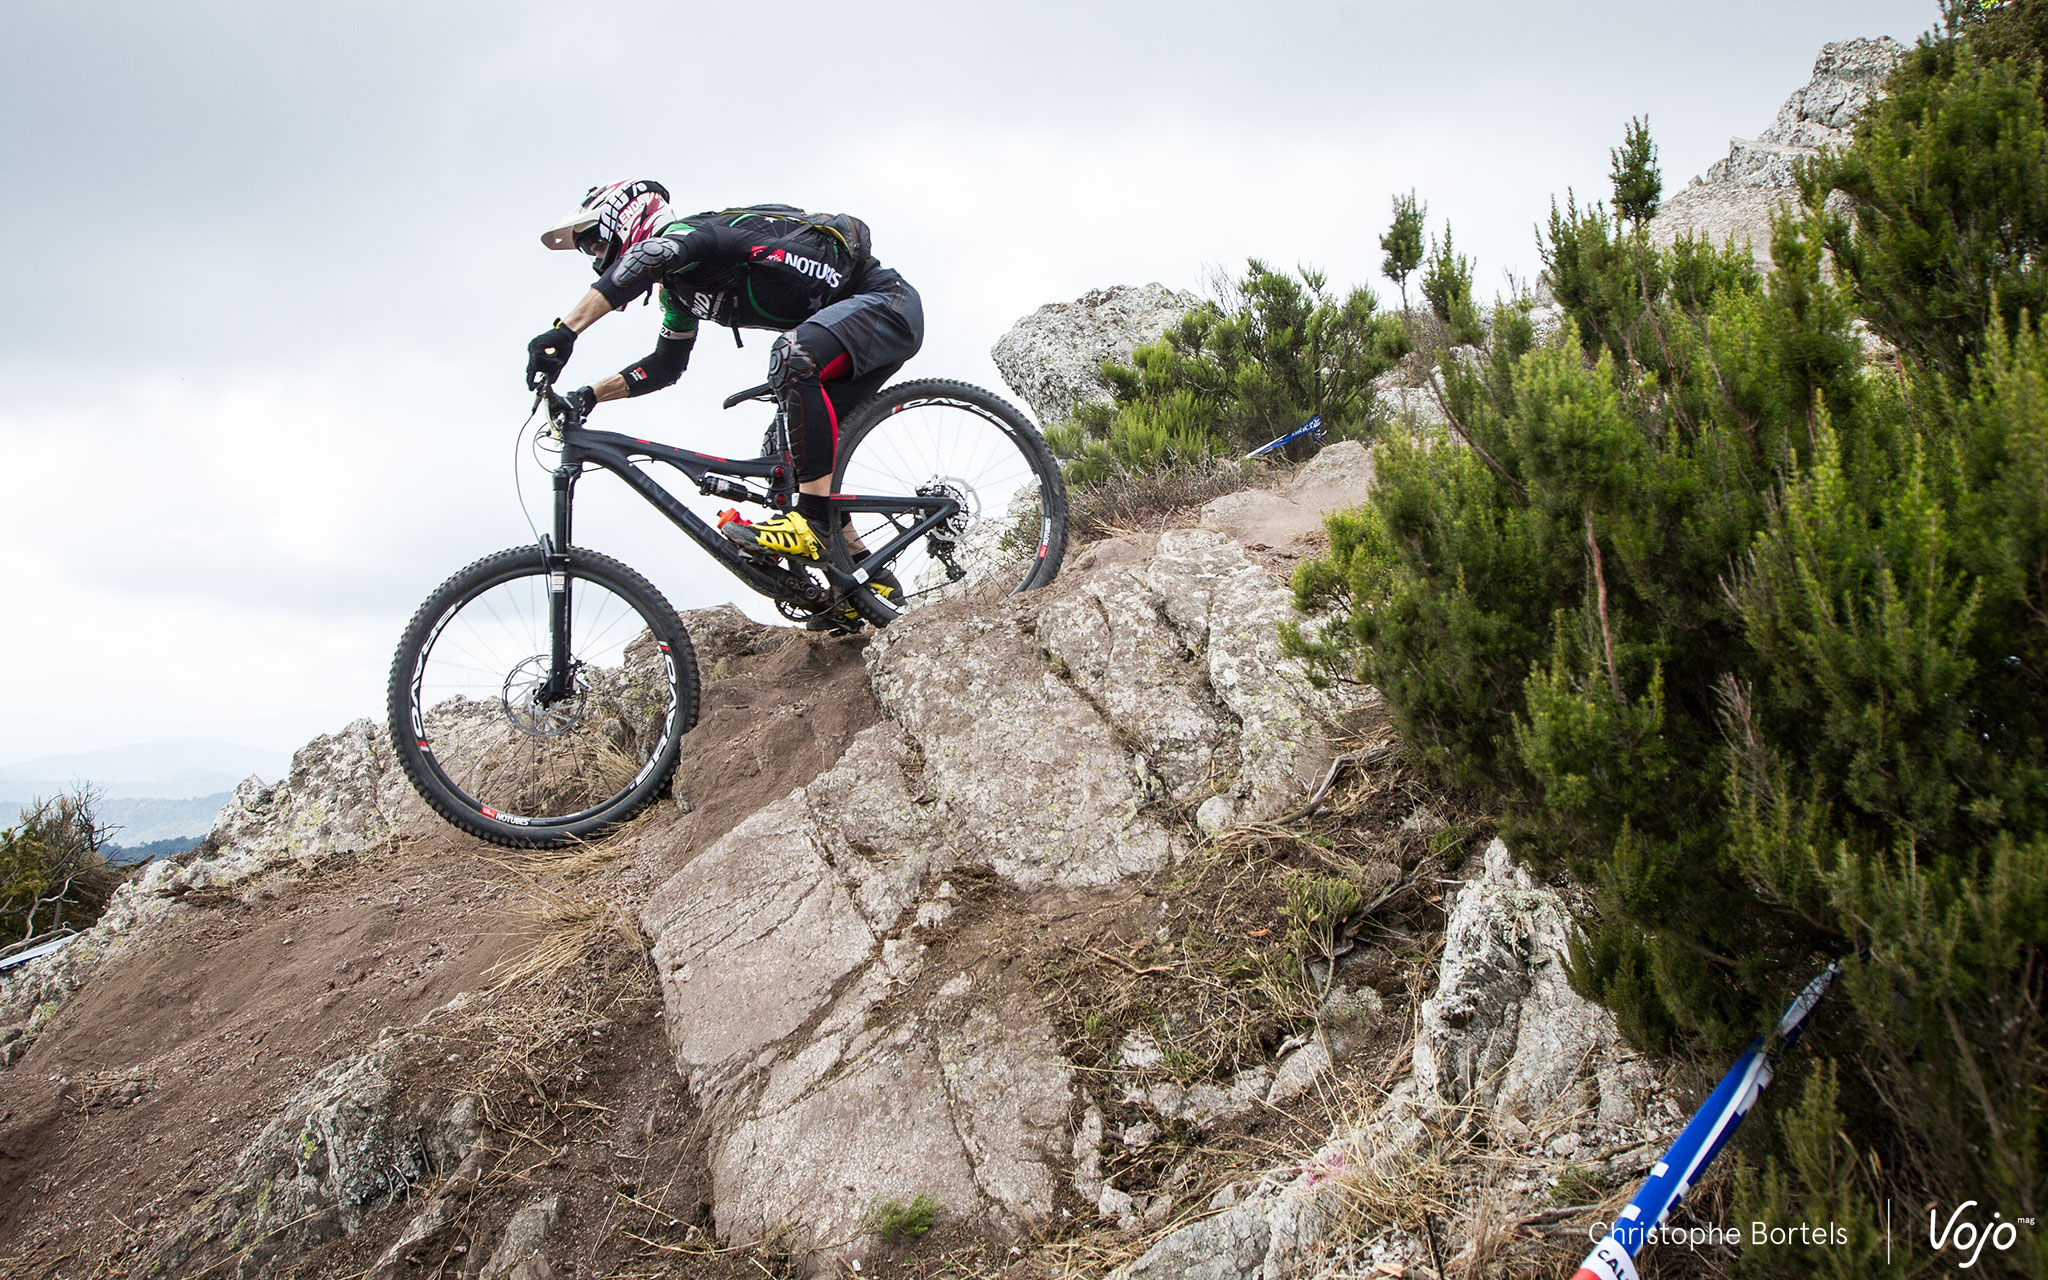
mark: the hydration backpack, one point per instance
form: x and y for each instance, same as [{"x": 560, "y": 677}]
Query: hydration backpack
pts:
[{"x": 842, "y": 229}]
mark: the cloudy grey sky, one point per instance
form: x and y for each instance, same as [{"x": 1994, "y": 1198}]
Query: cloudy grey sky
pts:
[{"x": 269, "y": 270}]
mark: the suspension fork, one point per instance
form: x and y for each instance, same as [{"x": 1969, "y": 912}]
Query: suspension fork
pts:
[{"x": 561, "y": 673}]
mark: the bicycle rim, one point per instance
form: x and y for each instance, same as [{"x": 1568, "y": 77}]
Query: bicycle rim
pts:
[{"x": 519, "y": 754}]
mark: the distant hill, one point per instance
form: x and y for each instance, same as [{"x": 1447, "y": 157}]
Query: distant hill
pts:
[
  {"x": 169, "y": 770},
  {"x": 142, "y": 821},
  {"x": 127, "y": 853}
]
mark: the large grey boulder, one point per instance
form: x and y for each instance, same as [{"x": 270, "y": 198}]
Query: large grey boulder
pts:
[
  {"x": 1031, "y": 772},
  {"x": 1738, "y": 194},
  {"x": 841, "y": 1057},
  {"x": 775, "y": 948},
  {"x": 1053, "y": 357}
]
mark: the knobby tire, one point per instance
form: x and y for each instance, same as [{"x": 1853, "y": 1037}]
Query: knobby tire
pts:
[
  {"x": 602, "y": 756},
  {"x": 1009, "y": 450}
]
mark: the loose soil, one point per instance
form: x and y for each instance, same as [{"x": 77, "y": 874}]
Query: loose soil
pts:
[{"x": 138, "y": 1097}]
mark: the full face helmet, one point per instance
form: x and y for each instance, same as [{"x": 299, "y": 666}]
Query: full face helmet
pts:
[{"x": 610, "y": 220}]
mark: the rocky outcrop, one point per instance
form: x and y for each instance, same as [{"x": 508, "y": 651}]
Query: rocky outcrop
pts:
[
  {"x": 1505, "y": 1036},
  {"x": 1738, "y": 194},
  {"x": 345, "y": 793},
  {"x": 1053, "y": 357},
  {"x": 1507, "y": 1056},
  {"x": 338, "y": 1153},
  {"x": 838, "y": 1058}
]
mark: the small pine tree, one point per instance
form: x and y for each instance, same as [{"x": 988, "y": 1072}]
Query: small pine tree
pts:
[
  {"x": 1638, "y": 185},
  {"x": 1403, "y": 243},
  {"x": 1448, "y": 286}
]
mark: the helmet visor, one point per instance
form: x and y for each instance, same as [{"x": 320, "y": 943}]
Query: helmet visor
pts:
[{"x": 568, "y": 230}]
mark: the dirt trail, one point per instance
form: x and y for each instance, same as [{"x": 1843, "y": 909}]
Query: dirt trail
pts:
[{"x": 138, "y": 1097}]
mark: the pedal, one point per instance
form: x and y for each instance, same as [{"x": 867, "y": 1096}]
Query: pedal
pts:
[{"x": 840, "y": 623}]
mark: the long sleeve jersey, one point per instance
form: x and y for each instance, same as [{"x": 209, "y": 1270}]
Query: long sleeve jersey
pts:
[{"x": 745, "y": 270}]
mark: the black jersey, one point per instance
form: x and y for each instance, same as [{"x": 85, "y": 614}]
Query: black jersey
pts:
[{"x": 745, "y": 270}]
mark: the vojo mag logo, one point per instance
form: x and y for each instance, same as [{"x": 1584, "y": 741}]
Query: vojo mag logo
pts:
[{"x": 1968, "y": 1233}]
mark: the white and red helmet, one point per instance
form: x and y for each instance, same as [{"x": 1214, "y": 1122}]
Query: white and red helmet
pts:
[{"x": 610, "y": 220}]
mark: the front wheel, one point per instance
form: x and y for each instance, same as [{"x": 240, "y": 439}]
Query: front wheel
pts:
[
  {"x": 936, "y": 437},
  {"x": 509, "y": 743}
]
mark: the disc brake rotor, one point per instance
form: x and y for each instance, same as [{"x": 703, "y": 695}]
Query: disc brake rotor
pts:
[
  {"x": 964, "y": 495},
  {"x": 524, "y": 710}
]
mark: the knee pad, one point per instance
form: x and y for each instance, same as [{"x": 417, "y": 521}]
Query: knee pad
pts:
[{"x": 788, "y": 365}]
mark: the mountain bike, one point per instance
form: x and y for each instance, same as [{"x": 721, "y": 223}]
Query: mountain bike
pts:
[{"x": 541, "y": 695}]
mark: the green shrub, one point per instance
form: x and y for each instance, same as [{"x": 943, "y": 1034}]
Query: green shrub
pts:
[
  {"x": 54, "y": 875},
  {"x": 1447, "y": 283},
  {"x": 1947, "y": 188},
  {"x": 1750, "y": 637},
  {"x": 892, "y": 1219},
  {"x": 1234, "y": 374}
]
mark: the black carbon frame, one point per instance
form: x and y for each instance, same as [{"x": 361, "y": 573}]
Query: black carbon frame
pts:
[{"x": 719, "y": 477}]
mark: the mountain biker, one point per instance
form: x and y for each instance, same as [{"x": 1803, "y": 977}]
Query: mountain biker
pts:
[{"x": 846, "y": 322}]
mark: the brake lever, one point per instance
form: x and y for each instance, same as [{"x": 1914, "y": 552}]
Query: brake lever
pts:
[{"x": 562, "y": 415}]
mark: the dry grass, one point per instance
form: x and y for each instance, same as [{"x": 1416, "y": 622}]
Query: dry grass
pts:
[
  {"x": 568, "y": 929},
  {"x": 1255, "y": 925},
  {"x": 1149, "y": 501},
  {"x": 1256, "y": 920}
]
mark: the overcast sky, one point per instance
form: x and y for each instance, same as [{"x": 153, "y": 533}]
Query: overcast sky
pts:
[{"x": 269, "y": 270}]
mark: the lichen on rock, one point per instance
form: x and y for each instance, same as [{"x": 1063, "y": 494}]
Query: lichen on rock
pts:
[{"x": 1053, "y": 357}]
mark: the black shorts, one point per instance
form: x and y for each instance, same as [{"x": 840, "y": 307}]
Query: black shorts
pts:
[{"x": 880, "y": 327}]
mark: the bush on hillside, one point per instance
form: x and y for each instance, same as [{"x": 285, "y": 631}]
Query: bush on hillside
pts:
[
  {"x": 1447, "y": 284},
  {"x": 1274, "y": 351},
  {"x": 1749, "y": 637},
  {"x": 54, "y": 874},
  {"x": 1947, "y": 205}
]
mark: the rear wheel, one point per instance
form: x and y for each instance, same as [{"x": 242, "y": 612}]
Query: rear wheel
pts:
[
  {"x": 935, "y": 436},
  {"x": 501, "y": 747}
]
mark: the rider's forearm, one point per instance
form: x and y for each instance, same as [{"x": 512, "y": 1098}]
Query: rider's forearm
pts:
[
  {"x": 612, "y": 387},
  {"x": 586, "y": 311}
]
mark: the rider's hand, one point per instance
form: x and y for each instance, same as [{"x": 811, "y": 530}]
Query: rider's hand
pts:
[
  {"x": 546, "y": 355},
  {"x": 582, "y": 400}
]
